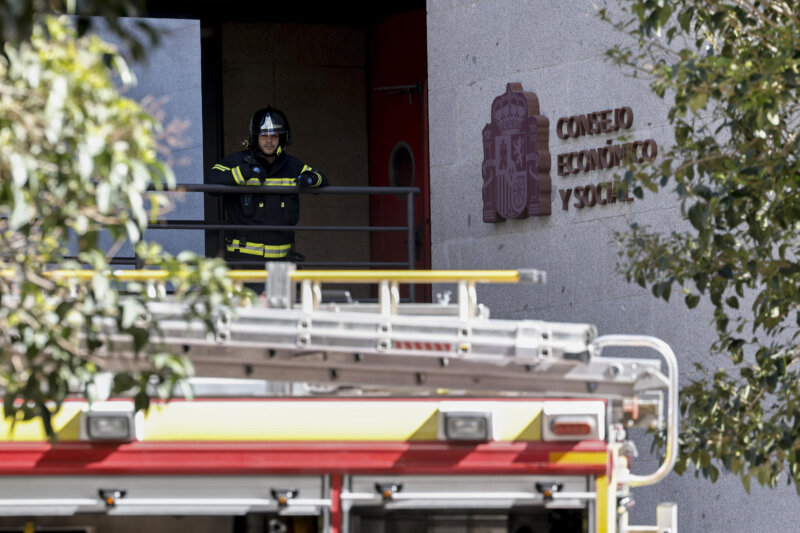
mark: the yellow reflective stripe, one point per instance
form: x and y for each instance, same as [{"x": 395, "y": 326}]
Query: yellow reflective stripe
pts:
[
  {"x": 276, "y": 250},
  {"x": 255, "y": 248},
  {"x": 276, "y": 254},
  {"x": 254, "y": 181},
  {"x": 221, "y": 167},
  {"x": 279, "y": 420},
  {"x": 237, "y": 175},
  {"x": 605, "y": 508},
  {"x": 579, "y": 458},
  {"x": 259, "y": 253},
  {"x": 279, "y": 182},
  {"x": 248, "y": 247},
  {"x": 307, "y": 168},
  {"x": 287, "y": 421},
  {"x": 66, "y": 424}
]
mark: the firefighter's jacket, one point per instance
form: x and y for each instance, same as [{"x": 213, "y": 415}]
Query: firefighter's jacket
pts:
[{"x": 263, "y": 209}]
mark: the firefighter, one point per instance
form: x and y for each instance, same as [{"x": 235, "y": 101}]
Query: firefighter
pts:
[{"x": 264, "y": 163}]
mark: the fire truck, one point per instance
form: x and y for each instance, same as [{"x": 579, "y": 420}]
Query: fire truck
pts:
[{"x": 347, "y": 416}]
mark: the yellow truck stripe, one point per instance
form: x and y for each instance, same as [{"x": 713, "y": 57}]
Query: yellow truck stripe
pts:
[
  {"x": 66, "y": 424},
  {"x": 579, "y": 458},
  {"x": 311, "y": 420}
]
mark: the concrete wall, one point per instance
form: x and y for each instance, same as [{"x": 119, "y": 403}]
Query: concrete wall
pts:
[
  {"x": 555, "y": 48},
  {"x": 316, "y": 74}
]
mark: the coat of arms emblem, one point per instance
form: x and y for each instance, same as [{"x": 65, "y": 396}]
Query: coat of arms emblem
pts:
[{"x": 516, "y": 158}]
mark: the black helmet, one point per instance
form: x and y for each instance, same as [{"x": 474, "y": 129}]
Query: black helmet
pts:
[{"x": 270, "y": 121}]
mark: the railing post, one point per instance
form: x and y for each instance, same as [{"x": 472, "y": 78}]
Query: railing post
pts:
[{"x": 412, "y": 261}]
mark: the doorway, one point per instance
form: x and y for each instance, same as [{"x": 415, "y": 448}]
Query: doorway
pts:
[{"x": 398, "y": 126}]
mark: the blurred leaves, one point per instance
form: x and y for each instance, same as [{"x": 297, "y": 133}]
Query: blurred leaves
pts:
[
  {"x": 18, "y": 18},
  {"x": 731, "y": 71},
  {"x": 76, "y": 159}
]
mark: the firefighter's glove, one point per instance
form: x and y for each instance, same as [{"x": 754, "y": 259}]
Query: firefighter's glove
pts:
[
  {"x": 305, "y": 180},
  {"x": 250, "y": 168},
  {"x": 247, "y": 170}
]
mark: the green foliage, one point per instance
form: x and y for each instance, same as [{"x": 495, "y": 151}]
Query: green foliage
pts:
[
  {"x": 732, "y": 70},
  {"x": 76, "y": 159},
  {"x": 18, "y": 18}
]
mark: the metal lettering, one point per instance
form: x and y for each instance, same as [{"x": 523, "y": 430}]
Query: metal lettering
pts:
[
  {"x": 572, "y": 169},
  {"x": 652, "y": 150},
  {"x": 561, "y": 163},
  {"x": 565, "y": 193},
  {"x": 606, "y": 121},
  {"x": 590, "y": 195},
  {"x": 579, "y": 197},
  {"x": 626, "y": 118},
  {"x": 621, "y": 197},
  {"x": 560, "y": 128},
  {"x": 600, "y": 188},
  {"x": 637, "y": 151},
  {"x": 590, "y": 201},
  {"x": 608, "y": 156},
  {"x": 572, "y": 130}
]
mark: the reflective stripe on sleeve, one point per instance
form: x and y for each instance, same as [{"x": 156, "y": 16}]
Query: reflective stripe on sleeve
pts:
[
  {"x": 237, "y": 175},
  {"x": 307, "y": 168}
]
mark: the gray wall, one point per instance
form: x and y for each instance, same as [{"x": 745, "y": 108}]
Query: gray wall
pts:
[
  {"x": 316, "y": 74},
  {"x": 555, "y": 48},
  {"x": 168, "y": 80}
]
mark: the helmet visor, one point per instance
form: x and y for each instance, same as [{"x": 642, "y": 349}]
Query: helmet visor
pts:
[{"x": 272, "y": 124}]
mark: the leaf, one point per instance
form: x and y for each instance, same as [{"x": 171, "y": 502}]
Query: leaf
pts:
[
  {"x": 123, "y": 382},
  {"x": 131, "y": 311},
  {"x": 698, "y": 216},
  {"x": 685, "y": 18},
  {"x": 698, "y": 101},
  {"x": 141, "y": 402},
  {"x": 692, "y": 300},
  {"x": 773, "y": 118}
]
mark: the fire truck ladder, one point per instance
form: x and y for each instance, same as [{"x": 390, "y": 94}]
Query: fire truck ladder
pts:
[{"x": 452, "y": 346}]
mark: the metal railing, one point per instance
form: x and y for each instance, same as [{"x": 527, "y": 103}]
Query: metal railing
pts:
[{"x": 221, "y": 226}]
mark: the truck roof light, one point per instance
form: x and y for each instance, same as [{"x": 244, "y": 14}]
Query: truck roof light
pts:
[
  {"x": 574, "y": 425},
  {"x": 573, "y": 420},
  {"x": 107, "y": 426},
  {"x": 467, "y": 426},
  {"x": 111, "y": 421}
]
